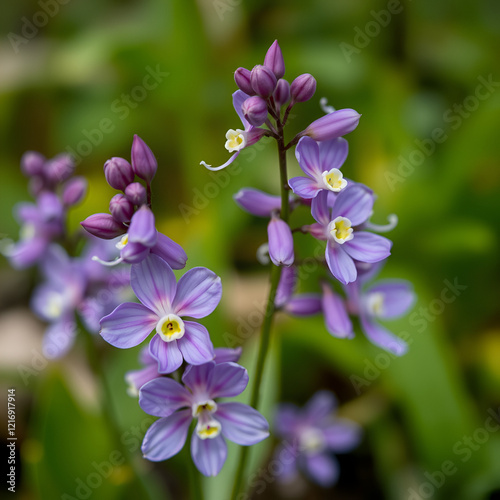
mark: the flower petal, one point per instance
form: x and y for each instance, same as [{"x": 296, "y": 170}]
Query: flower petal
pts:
[
  {"x": 208, "y": 455},
  {"x": 167, "y": 354},
  {"x": 142, "y": 227},
  {"x": 304, "y": 304},
  {"x": 321, "y": 405},
  {"x": 162, "y": 396},
  {"x": 333, "y": 153},
  {"x": 239, "y": 97},
  {"x": 227, "y": 355},
  {"x": 135, "y": 379},
  {"x": 319, "y": 208},
  {"x": 228, "y": 380},
  {"x": 307, "y": 154},
  {"x": 354, "y": 202},
  {"x": 368, "y": 247},
  {"x": 340, "y": 264},
  {"x": 342, "y": 436},
  {"x": 398, "y": 297},
  {"x": 224, "y": 165},
  {"x": 170, "y": 251},
  {"x": 198, "y": 293},
  {"x": 196, "y": 346},
  {"x": 257, "y": 202},
  {"x": 337, "y": 320},
  {"x": 198, "y": 378},
  {"x": 286, "y": 286},
  {"x": 128, "y": 325},
  {"x": 59, "y": 338},
  {"x": 280, "y": 237},
  {"x": 166, "y": 437},
  {"x": 241, "y": 423},
  {"x": 322, "y": 469},
  {"x": 153, "y": 281},
  {"x": 304, "y": 187},
  {"x": 382, "y": 337}
]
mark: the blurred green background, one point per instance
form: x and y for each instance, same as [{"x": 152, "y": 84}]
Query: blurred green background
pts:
[{"x": 427, "y": 144}]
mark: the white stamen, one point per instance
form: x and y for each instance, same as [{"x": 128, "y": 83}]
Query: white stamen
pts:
[
  {"x": 112, "y": 263},
  {"x": 323, "y": 103},
  {"x": 393, "y": 222},
  {"x": 340, "y": 230},
  {"x": 263, "y": 254},
  {"x": 375, "y": 304}
]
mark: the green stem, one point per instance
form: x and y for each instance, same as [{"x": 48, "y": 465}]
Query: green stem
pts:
[
  {"x": 196, "y": 488},
  {"x": 267, "y": 322}
]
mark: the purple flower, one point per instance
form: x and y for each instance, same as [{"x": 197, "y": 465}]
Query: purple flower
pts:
[
  {"x": 311, "y": 435},
  {"x": 337, "y": 320},
  {"x": 338, "y": 226},
  {"x": 41, "y": 223},
  {"x": 137, "y": 378},
  {"x": 332, "y": 125},
  {"x": 385, "y": 299},
  {"x": 258, "y": 203},
  {"x": 141, "y": 239},
  {"x": 163, "y": 305},
  {"x": 239, "y": 139},
  {"x": 296, "y": 304},
  {"x": 321, "y": 163},
  {"x": 280, "y": 242},
  {"x": 178, "y": 405}
]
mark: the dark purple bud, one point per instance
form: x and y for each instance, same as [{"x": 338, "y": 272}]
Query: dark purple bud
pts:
[
  {"x": 32, "y": 163},
  {"x": 303, "y": 88},
  {"x": 257, "y": 202},
  {"x": 282, "y": 92},
  {"x": 242, "y": 79},
  {"x": 103, "y": 226},
  {"x": 142, "y": 228},
  {"x": 274, "y": 60},
  {"x": 118, "y": 173},
  {"x": 59, "y": 168},
  {"x": 255, "y": 110},
  {"x": 280, "y": 242},
  {"x": 335, "y": 124},
  {"x": 121, "y": 208},
  {"x": 263, "y": 81},
  {"x": 144, "y": 162},
  {"x": 74, "y": 191},
  {"x": 136, "y": 193}
]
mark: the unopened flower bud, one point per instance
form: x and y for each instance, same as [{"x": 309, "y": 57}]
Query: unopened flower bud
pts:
[
  {"x": 59, "y": 168},
  {"x": 136, "y": 193},
  {"x": 242, "y": 79},
  {"x": 74, "y": 191},
  {"x": 121, "y": 208},
  {"x": 335, "y": 124},
  {"x": 303, "y": 88},
  {"x": 103, "y": 226},
  {"x": 274, "y": 60},
  {"x": 32, "y": 163},
  {"x": 255, "y": 110},
  {"x": 118, "y": 173},
  {"x": 144, "y": 162},
  {"x": 282, "y": 92},
  {"x": 263, "y": 81},
  {"x": 280, "y": 242}
]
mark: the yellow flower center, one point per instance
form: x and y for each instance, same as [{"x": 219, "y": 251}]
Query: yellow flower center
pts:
[
  {"x": 208, "y": 430},
  {"x": 341, "y": 230},
  {"x": 311, "y": 440},
  {"x": 333, "y": 180},
  {"x": 123, "y": 241},
  {"x": 170, "y": 328},
  {"x": 207, "y": 427},
  {"x": 235, "y": 140},
  {"x": 375, "y": 303}
]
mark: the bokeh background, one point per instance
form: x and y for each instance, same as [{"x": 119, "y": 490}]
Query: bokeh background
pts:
[{"x": 427, "y": 144}]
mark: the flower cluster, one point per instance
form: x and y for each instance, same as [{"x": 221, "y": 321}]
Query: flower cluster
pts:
[{"x": 178, "y": 344}]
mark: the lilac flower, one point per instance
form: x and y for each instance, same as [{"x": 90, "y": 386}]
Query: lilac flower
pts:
[
  {"x": 163, "y": 304},
  {"x": 280, "y": 242},
  {"x": 338, "y": 226},
  {"x": 312, "y": 435},
  {"x": 137, "y": 378},
  {"x": 321, "y": 163},
  {"x": 258, "y": 202},
  {"x": 335, "y": 124},
  {"x": 239, "y": 139},
  {"x": 178, "y": 405},
  {"x": 41, "y": 224},
  {"x": 337, "y": 320},
  {"x": 296, "y": 304},
  {"x": 141, "y": 239},
  {"x": 385, "y": 299}
]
